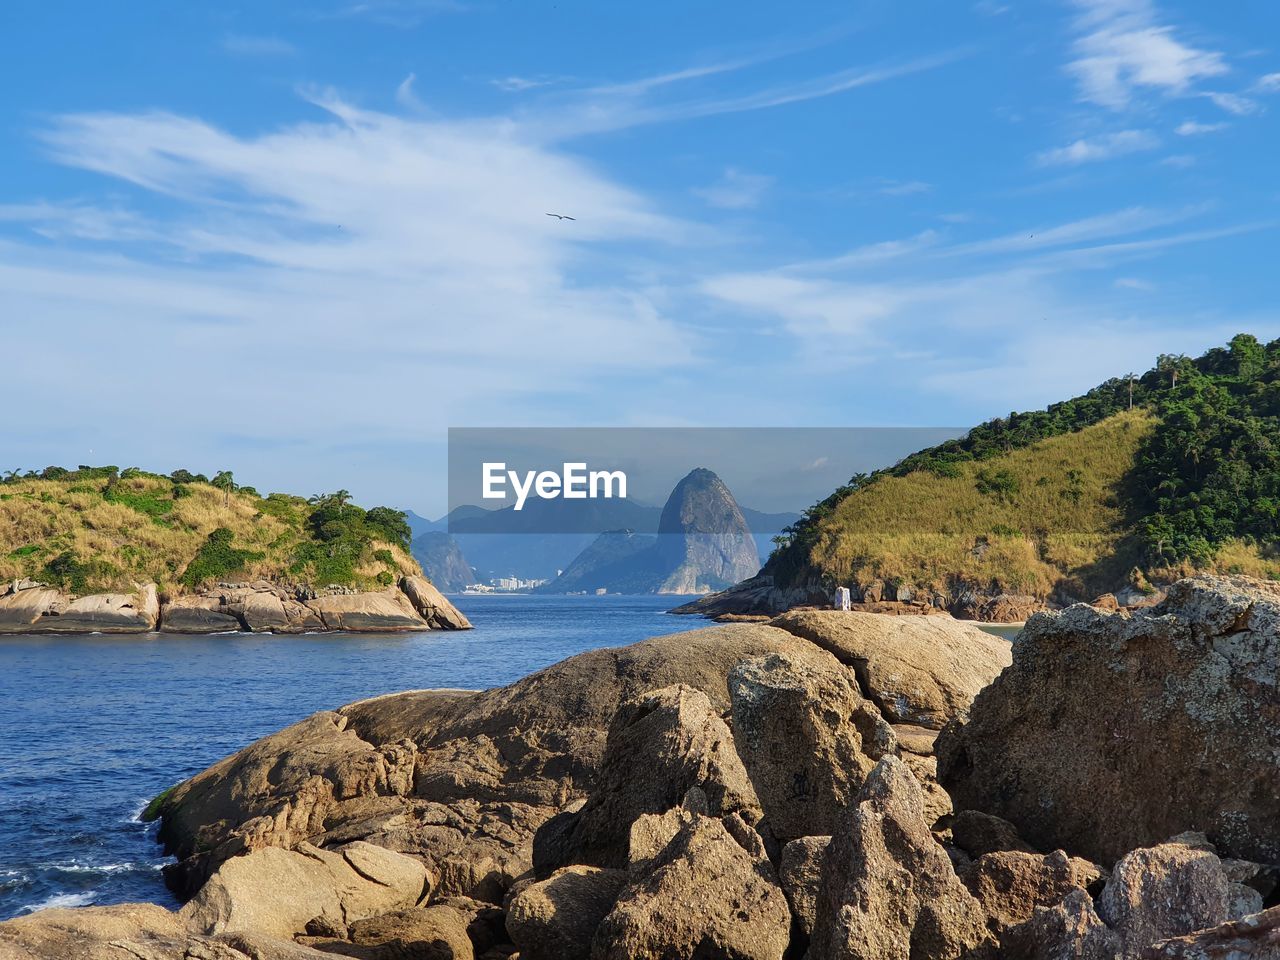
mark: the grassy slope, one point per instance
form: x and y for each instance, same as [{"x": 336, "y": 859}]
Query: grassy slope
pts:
[
  {"x": 143, "y": 533},
  {"x": 1063, "y": 525}
]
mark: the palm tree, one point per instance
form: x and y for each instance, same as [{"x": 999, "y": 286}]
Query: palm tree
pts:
[{"x": 226, "y": 482}]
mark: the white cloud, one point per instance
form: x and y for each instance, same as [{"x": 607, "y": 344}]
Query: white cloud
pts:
[
  {"x": 1269, "y": 83},
  {"x": 405, "y": 95},
  {"x": 1134, "y": 283},
  {"x": 1122, "y": 47},
  {"x": 1234, "y": 104},
  {"x": 1103, "y": 147},
  {"x": 1191, "y": 128},
  {"x": 1179, "y": 161},
  {"x": 521, "y": 84},
  {"x": 367, "y": 277},
  {"x": 244, "y": 45},
  {"x": 905, "y": 188},
  {"x": 735, "y": 190}
]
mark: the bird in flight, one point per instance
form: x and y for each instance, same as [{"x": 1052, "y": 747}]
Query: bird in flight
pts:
[{"x": 561, "y": 216}]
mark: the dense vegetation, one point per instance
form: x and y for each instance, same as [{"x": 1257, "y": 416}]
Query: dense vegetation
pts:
[
  {"x": 1201, "y": 488},
  {"x": 102, "y": 528}
]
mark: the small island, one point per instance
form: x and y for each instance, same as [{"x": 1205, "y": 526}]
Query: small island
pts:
[{"x": 104, "y": 550}]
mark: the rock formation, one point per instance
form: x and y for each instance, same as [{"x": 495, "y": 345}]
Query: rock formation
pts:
[
  {"x": 740, "y": 792},
  {"x": 1102, "y": 712},
  {"x": 254, "y": 606}
]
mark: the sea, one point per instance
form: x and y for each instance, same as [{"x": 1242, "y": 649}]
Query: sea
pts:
[{"x": 92, "y": 727}]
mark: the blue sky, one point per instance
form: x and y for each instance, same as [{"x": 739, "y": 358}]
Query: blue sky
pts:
[{"x": 300, "y": 240}]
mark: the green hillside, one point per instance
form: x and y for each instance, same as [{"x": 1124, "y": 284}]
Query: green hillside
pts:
[
  {"x": 1144, "y": 477},
  {"x": 100, "y": 529}
]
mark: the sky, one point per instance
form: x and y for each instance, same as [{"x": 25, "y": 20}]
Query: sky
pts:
[{"x": 300, "y": 240}]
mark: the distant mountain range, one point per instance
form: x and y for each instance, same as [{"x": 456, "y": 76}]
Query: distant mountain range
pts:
[{"x": 502, "y": 543}]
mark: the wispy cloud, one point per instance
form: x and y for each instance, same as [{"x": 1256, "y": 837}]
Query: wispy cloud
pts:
[
  {"x": 515, "y": 84},
  {"x": 246, "y": 45},
  {"x": 1234, "y": 104},
  {"x": 1121, "y": 48},
  {"x": 398, "y": 13},
  {"x": 1269, "y": 83},
  {"x": 1102, "y": 147},
  {"x": 1191, "y": 128},
  {"x": 1134, "y": 283},
  {"x": 904, "y": 188},
  {"x": 735, "y": 190},
  {"x": 619, "y": 106}
]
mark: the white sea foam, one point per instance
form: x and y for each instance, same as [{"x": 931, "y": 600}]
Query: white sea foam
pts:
[
  {"x": 62, "y": 900},
  {"x": 75, "y": 866}
]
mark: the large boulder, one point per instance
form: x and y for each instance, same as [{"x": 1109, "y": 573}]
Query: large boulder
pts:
[
  {"x": 134, "y": 931},
  {"x": 105, "y": 613},
  {"x": 193, "y": 613},
  {"x": 1010, "y": 885},
  {"x": 1165, "y": 891},
  {"x": 432, "y": 605},
  {"x": 277, "y": 892},
  {"x": 800, "y": 873},
  {"x": 807, "y": 737},
  {"x": 367, "y": 612},
  {"x": 1102, "y": 713},
  {"x": 920, "y": 670},
  {"x": 556, "y": 919},
  {"x": 888, "y": 889},
  {"x": 460, "y": 780},
  {"x": 705, "y": 897},
  {"x": 437, "y": 932},
  {"x": 680, "y": 743},
  {"x": 20, "y": 609},
  {"x": 1070, "y": 930}
]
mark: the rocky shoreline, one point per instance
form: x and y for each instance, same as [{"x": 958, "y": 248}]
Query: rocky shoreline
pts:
[
  {"x": 254, "y": 607},
  {"x": 762, "y": 597},
  {"x": 826, "y": 785}
]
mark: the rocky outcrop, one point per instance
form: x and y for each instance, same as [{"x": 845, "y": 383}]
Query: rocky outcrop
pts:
[
  {"x": 669, "y": 914},
  {"x": 888, "y": 888},
  {"x": 635, "y": 803},
  {"x": 1010, "y": 885},
  {"x": 807, "y": 736},
  {"x": 680, "y": 741},
  {"x": 1102, "y": 712},
  {"x": 1164, "y": 891},
  {"x": 556, "y": 919},
  {"x": 199, "y": 614},
  {"x": 924, "y": 670},
  {"x": 256, "y": 606},
  {"x": 438, "y": 932},
  {"x": 367, "y": 612},
  {"x": 133, "y": 931},
  {"x": 432, "y": 605},
  {"x": 34, "y": 608},
  {"x": 462, "y": 780},
  {"x": 756, "y": 596},
  {"x": 800, "y": 873},
  {"x": 278, "y": 892},
  {"x": 1071, "y": 930}
]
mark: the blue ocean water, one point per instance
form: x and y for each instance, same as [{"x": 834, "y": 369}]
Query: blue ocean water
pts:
[{"x": 92, "y": 727}]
